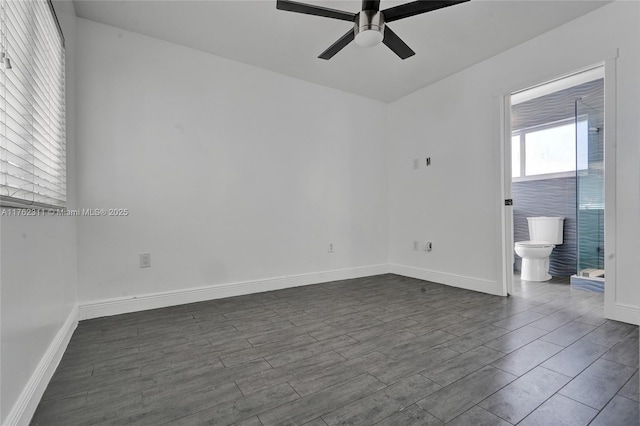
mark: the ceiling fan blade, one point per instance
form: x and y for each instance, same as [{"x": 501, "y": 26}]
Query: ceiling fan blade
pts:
[
  {"x": 338, "y": 45},
  {"x": 309, "y": 9},
  {"x": 371, "y": 5},
  {"x": 394, "y": 43},
  {"x": 415, "y": 8}
]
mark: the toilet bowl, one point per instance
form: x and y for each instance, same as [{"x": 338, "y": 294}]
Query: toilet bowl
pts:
[
  {"x": 545, "y": 233},
  {"x": 535, "y": 260}
]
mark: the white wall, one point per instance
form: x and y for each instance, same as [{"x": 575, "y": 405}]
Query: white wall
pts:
[
  {"x": 38, "y": 272},
  {"x": 456, "y": 203},
  {"x": 230, "y": 173}
]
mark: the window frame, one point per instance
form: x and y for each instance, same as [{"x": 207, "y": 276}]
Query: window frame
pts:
[{"x": 523, "y": 152}]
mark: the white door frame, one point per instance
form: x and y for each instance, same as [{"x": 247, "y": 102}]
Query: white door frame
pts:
[
  {"x": 612, "y": 308},
  {"x": 506, "y": 210}
]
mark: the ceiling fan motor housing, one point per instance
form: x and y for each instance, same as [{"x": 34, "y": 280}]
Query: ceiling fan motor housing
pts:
[{"x": 369, "y": 27}]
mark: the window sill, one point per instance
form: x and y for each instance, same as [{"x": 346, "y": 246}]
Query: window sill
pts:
[{"x": 546, "y": 176}]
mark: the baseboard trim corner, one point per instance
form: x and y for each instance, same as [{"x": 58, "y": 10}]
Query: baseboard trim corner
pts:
[
  {"x": 25, "y": 407},
  {"x": 626, "y": 313},
  {"x": 109, "y": 307},
  {"x": 460, "y": 281}
]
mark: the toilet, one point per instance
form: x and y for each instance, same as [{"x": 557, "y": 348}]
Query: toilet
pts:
[{"x": 544, "y": 233}]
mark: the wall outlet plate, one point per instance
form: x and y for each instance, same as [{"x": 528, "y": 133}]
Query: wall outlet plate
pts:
[{"x": 145, "y": 260}]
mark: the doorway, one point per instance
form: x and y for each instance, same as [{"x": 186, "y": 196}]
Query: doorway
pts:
[{"x": 553, "y": 147}]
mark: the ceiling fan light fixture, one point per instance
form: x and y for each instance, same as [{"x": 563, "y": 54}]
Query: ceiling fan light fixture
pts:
[
  {"x": 369, "y": 38},
  {"x": 369, "y": 28}
]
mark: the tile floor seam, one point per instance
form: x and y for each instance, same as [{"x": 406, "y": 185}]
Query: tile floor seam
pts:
[
  {"x": 529, "y": 413},
  {"x": 620, "y": 396},
  {"x": 610, "y": 399},
  {"x": 583, "y": 403},
  {"x": 498, "y": 350},
  {"x": 556, "y": 372},
  {"x": 614, "y": 362},
  {"x": 498, "y": 415},
  {"x": 443, "y": 422}
]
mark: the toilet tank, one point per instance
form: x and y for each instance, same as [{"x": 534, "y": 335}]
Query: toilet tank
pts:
[{"x": 547, "y": 229}]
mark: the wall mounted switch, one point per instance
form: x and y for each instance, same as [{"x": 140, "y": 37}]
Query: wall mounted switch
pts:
[{"x": 145, "y": 260}]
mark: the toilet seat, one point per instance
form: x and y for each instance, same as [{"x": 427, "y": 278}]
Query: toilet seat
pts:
[{"x": 534, "y": 244}]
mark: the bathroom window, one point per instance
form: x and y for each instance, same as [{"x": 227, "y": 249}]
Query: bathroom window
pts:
[{"x": 547, "y": 151}]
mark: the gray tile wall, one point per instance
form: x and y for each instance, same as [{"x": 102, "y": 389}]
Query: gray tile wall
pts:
[
  {"x": 555, "y": 106},
  {"x": 547, "y": 197}
]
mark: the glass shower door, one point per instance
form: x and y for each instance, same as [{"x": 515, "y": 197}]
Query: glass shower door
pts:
[{"x": 590, "y": 188}]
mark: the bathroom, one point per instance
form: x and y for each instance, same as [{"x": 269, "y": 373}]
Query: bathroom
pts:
[{"x": 558, "y": 172}]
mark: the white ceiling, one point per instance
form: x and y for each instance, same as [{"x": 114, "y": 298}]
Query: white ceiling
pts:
[{"x": 254, "y": 32}]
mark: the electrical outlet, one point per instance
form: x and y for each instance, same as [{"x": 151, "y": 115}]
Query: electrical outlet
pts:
[
  {"x": 416, "y": 246},
  {"x": 416, "y": 163},
  {"x": 145, "y": 260},
  {"x": 428, "y": 161},
  {"x": 330, "y": 247},
  {"x": 428, "y": 246}
]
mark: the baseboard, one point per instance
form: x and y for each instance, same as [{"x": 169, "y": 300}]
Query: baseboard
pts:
[
  {"x": 28, "y": 401},
  {"x": 104, "y": 308},
  {"x": 626, "y": 313},
  {"x": 468, "y": 283}
]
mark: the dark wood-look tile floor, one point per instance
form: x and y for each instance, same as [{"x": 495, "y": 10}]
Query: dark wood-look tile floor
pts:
[{"x": 385, "y": 350}]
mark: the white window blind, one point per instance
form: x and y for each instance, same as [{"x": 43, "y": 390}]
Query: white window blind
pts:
[{"x": 32, "y": 105}]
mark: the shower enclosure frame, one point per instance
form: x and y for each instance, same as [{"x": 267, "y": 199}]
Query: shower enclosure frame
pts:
[{"x": 589, "y": 194}]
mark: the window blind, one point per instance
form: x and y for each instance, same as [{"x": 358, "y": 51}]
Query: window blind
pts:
[{"x": 32, "y": 105}]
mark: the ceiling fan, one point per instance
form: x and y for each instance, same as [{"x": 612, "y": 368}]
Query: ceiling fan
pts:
[{"x": 370, "y": 23}]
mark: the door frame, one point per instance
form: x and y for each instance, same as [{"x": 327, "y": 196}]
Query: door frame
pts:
[
  {"x": 507, "y": 255},
  {"x": 505, "y": 194}
]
